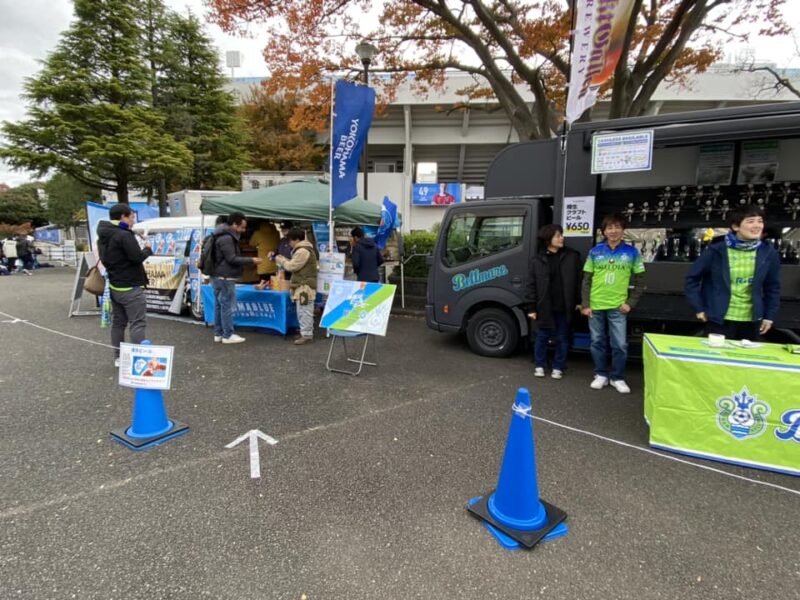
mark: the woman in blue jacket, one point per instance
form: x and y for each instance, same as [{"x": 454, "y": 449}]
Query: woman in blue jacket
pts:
[{"x": 734, "y": 286}]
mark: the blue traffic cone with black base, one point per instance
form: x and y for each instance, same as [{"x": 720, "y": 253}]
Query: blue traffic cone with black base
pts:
[
  {"x": 149, "y": 423},
  {"x": 513, "y": 513}
]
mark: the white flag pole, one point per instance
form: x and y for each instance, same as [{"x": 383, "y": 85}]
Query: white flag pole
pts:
[{"x": 331, "y": 240}]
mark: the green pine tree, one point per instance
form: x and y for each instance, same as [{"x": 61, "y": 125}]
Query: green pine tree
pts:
[
  {"x": 90, "y": 112},
  {"x": 198, "y": 111},
  {"x": 21, "y": 205},
  {"x": 65, "y": 199}
]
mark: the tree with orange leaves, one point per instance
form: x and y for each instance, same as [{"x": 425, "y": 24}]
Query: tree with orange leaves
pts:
[{"x": 507, "y": 46}]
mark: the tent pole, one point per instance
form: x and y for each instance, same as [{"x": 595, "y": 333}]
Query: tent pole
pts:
[{"x": 331, "y": 239}]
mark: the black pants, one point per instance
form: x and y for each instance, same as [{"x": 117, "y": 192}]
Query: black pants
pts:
[{"x": 736, "y": 330}]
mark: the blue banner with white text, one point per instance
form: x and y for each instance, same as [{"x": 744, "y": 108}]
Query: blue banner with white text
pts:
[{"x": 354, "y": 106}]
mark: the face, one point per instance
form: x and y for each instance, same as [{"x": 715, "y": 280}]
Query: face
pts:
[
  {"x": 129, "y": 219},
  {"x": 293, "y": 243},
  {"x": 284, "y": 232},
  {"x": 613, "y": 232},
  {"x": 241, "y": 227},
  {"x": 749, "y": 229},
  {"x": 558, "y": 240}
]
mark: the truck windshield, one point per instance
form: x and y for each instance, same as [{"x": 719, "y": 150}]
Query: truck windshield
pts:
[{"x": 470, "y": 237}]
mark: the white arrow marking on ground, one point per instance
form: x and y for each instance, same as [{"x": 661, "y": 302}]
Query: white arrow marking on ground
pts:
[{"x": 255, "y": 460}]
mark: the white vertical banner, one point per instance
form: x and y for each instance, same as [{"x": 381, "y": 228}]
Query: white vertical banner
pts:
[{"x": 600, "y": 27}]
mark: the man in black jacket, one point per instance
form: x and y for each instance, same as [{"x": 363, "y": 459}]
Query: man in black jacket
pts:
[
  {"x": 366, "y": 256},
  {"x": 228, "y": 268},
  {"x": 554, "y": 296},
  {"x": 123, "y": 259}
]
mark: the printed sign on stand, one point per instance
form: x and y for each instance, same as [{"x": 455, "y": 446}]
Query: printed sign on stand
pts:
[
  {"x": 144, "y": 366},
  {"x": 358, "y": 307},
  {"x": 331, "y": 268},
  {"x": 578, "y": 216}
]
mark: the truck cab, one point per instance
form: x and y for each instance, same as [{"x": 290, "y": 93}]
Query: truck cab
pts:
[{"x": 479, "y": 270}]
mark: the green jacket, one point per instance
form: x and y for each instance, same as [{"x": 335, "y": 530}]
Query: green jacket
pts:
[{"x": 302, "y": 266}]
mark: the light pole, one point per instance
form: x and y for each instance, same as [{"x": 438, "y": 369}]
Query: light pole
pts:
[{"x": 366, "y": 52}]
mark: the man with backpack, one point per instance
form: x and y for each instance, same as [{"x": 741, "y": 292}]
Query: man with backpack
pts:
[{"x": 225, "y": 266}]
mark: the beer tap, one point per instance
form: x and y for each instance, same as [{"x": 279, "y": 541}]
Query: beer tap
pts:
[
  {"x": 767, "y": 192},
  {"x": 760, "y": 203},
  {"x": 707, "y": 209},
  {"x": 675, "y": 210},
  {"x": 724, "y": 208},
  {"x": 660, "y": 207},
  {"x": 715, "y": 194},
  {"x": 748, "y": 195},
  {"x": 666, "y": 194},
  {"x": 644, "y": 210},
  {"x": 698, "y": 196},
  {"x": 794, "y": 207},
  {"x": 683, "y": 194},
  {"x": 629, "y": 212},
  {"x": 786, "y": 192}
]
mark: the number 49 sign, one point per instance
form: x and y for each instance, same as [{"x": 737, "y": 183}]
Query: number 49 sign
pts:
[{"x": 578, "y": 216}]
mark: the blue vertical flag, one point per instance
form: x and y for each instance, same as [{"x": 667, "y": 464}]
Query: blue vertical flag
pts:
[
  {"x": 352, "y": 115},
  {"x": 388, "y": 222}
]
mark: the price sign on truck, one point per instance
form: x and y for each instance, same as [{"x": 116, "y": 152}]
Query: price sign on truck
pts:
[{"x": 578, "y": 216}]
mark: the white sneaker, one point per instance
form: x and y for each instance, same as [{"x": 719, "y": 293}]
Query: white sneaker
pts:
[
  {"x": 538, "y": 372},
  {"x": 557, "y": 374},
  {"x": 217, "y": 338},
  {"x": 621, "y": 386},
  {"x": 234, "y": 339},
  {"x": 116, "y": 363},
  {"x": 599, "y": 382}
]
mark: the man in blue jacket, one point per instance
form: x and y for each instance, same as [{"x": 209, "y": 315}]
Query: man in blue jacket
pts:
[
  {"x": 734, "y": 286},
  {"x": 366, "y": 256}
]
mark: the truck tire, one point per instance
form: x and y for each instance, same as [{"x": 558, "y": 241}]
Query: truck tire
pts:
[{"x": 492, "y": 332}]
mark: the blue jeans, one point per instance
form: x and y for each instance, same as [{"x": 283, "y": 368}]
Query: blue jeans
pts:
[
  {"x": 602, "y": 324},
  {"x": 224, "y": 303},
  {"x": 561, "y": 335}
]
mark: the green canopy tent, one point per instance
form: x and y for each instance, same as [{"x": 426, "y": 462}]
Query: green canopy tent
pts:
[{"x": 303, "y": 200}]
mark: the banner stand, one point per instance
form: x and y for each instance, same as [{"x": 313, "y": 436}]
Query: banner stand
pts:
[{"x": 85, "y": 262}]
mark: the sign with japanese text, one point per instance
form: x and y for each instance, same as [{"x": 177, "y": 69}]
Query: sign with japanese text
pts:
[
  {"x": 145, "y": 366},
  {"x": 622, "y": 152},
  {"x": 578, "y": 217}
]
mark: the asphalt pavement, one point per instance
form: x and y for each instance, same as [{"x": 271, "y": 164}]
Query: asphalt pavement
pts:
[{"x": 364, "y": 494}]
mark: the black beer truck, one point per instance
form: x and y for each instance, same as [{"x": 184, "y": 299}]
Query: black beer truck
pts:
[{"x": 691, "y": 170}]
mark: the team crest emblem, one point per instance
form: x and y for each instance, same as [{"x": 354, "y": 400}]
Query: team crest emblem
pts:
[{"x": 742, "y": 415}]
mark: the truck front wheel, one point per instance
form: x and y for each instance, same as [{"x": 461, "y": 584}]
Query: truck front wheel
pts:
[{"x": 492, "y": 332}]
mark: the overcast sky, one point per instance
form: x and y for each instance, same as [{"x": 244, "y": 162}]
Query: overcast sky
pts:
[{"x": 29, "y": 29}]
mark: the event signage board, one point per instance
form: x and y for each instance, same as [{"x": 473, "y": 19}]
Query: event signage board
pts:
[
  {"x": 166, "y": 280},
  {"x": 322, "y": 236},
  {"x": 622, "y": 152},
  {"x": 264, "y": 309},
  {"x": 145, "y": 367},
  {"x": 94, "y": 214},
  {"x": 436, "y": 194},
  {"x": 578, "y": 217},
  {"x": 358, "y": 307},
  {"x": 731, "y": 404},
  {"x": 331, "y": 269}
]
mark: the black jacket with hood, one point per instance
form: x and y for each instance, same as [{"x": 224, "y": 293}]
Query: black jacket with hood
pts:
[
  {"x": 228, "y": 260},
  {"x": 121, "y": 255},
  {"x": 538, "y": 288},
  {"x": 366, "y": 259}
]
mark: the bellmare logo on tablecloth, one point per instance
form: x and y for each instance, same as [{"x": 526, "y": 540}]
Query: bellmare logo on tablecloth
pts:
[
  {"x": 742, "y": 415},
  {"x": 791, "y": 418}
]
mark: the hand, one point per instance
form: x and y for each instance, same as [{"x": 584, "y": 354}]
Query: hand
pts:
[
  {"x": 271, "y": 256},
  {"x": 625, "y": 308},
  {"x": 578, "y": 307},
  {"x": 532, "y": 316},
  {"x": 701, "y": 316},
  {"x": 148, "y": 245},
  {"x": 586, "y": 312},
  {"x": 766, "y": 325},
  {"x": 257, "y": 261}
]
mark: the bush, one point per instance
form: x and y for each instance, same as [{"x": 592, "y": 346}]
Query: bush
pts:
[{"x": 424, "y": 242}]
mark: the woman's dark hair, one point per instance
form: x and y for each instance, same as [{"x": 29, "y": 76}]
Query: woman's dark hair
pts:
[
  {"x": 297, "y": 234},
  {"x": 743, "y": 212},
  {"x": 613, "y": 219},
  {"x": 357, "y": 233},
  {"x": 547, "y": 232}
]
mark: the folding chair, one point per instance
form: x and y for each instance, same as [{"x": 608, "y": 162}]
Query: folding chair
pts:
[{"x": 340, "y": 333}]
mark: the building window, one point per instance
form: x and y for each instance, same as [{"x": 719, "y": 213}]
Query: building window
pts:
[
  {"x": 255, "y": 184},
  {"x": 385, "y": 167}
]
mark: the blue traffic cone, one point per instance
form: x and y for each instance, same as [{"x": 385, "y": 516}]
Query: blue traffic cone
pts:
[
  {"x": 513, "y": 513},
  {"x": 149, "y": 423}
]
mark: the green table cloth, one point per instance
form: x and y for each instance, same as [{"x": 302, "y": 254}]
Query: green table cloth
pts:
[{"x": 731, "y": 404}]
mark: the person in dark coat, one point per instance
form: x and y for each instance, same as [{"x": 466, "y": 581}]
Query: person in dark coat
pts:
[
  {"x": 366, "y": 256},
  {"x": 553, "y": 295},
  {"x": 123, "y": 260}
]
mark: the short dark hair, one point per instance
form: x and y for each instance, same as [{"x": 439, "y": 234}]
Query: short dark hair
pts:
[
  {"x": 357, "y": 233},
  {"x": 221, "y": 219},
  {"x": 743, "y": 212},
  {"x": 613, "y": 219},
  {"x": 235, "y": 218},
  {"x": 297, "y": 234},
  {"x": 547, "y": 232},
  {"x": 118, "y": 211}
]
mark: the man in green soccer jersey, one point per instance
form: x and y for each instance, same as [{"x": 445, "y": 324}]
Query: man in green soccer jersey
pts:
[
  {"x": 734, "y": 287},
  {"x": 613, "y": 282}
]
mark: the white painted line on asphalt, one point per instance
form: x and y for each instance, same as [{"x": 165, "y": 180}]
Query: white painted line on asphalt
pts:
[
  {"x": 255, "y": 459},
  {"x": 66, "y": 335},
  {"x": 667, "y": 456}
]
